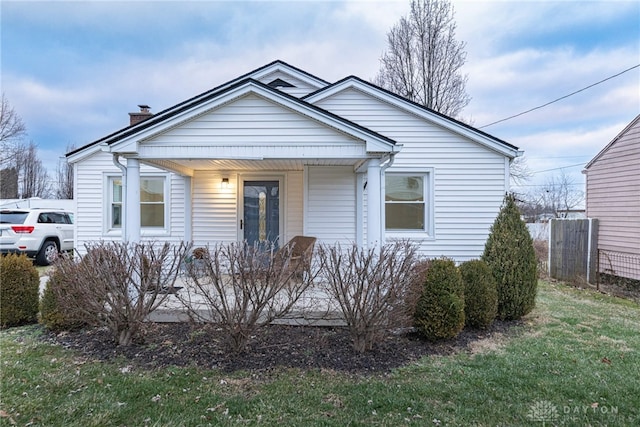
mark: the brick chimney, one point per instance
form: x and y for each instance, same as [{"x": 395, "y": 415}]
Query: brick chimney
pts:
[{"x": 144, "y": 114}]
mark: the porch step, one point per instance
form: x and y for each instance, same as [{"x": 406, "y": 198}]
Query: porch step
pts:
[{"x": 306, "y": 318}]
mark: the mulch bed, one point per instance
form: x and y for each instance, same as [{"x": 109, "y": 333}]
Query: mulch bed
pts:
[{"x": 276, "y": 346}]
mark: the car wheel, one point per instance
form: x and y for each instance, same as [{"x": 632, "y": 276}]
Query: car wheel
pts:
[{"x": 48, "y": 253}]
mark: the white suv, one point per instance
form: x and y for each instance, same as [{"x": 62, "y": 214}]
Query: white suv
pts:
[{"x": 39, "y": 233}]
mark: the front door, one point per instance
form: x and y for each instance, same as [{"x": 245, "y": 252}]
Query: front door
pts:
[{"x": 261, "y": 218}]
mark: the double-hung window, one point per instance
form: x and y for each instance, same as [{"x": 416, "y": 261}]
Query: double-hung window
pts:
[
  {"x": 406, "y": 196},
  {"x": 115, "y": 211},
  {"x": 152, "y": 202}
]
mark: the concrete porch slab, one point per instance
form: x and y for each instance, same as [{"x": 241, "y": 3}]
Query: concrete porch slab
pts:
[{"x": 314, "y": 308}]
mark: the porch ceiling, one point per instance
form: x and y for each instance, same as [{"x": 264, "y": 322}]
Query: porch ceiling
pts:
[{"x": 187, "y": 166}]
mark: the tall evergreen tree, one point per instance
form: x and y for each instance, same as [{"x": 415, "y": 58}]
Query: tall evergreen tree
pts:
[{"x": 510, "y": 255}]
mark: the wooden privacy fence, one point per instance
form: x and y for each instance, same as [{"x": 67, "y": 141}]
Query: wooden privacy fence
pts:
[{"x": 573, "y": 249}]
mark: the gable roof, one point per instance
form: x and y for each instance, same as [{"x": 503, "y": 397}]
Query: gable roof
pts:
[
  {"x": 282, "y": 66},
  {"x": 417, "y": 109},
  {"x": 613, "y": 141},
  {"x": 306, "y": 103},
  {"x": 276, "y": 65},
  {"x": 166, "y": 117}
]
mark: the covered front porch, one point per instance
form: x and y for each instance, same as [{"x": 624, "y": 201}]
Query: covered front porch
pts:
[{"x": 225, "y": 200}]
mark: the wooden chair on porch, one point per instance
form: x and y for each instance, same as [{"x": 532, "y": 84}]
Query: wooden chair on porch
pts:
[{"x": 298, "y": 252}]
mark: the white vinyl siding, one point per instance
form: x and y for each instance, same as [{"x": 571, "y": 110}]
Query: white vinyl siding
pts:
[
  {"x": 331, "y": 204},
  {"x": 294, "y": 224},
  {"x": 215, "y": 216},
  {"x": 252, "y": 128},
  {"x": 468, "y": 178},
  {"x": 613, "y": 193},
  {"x": 90, "y": 209}
]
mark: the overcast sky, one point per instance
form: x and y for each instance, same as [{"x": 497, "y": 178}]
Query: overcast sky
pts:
[{"x": 73, "y": 70}]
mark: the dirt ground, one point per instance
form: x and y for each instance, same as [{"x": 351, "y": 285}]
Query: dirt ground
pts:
[{"x": 304, "y": 347}]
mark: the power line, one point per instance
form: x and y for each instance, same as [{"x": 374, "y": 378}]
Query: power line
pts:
[
  {"x": 574, "y": 184},
  {"x": 561, "y": 167},
  {"x": 561, "y": 98},
  {"x": 559, "y": 157}
]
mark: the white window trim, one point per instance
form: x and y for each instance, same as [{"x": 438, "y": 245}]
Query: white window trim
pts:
[
  {"x": 108, "y": 230},
  {"x": 428, "y": 232},
  {"x": 144, "y": 231}
]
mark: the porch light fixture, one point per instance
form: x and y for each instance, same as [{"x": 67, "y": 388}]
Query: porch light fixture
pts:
[{"x": 224, "y": 184}]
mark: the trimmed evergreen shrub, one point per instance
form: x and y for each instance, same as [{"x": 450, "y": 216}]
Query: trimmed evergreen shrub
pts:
[
  {"x": 510, "y": 255},
  {"x": 440, "y": 309},
  {"x": 19, "y": 286},
  {"x": 480, "y": 294},
  {"x": 53, "y": 314}
]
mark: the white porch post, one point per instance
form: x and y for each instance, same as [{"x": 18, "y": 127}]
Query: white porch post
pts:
[
  {"x": 132, "y": 202},
  {"x": 374, "y": 206},
  {"x": 188, "y": 210},
  {"x": 360, "y": 209}
]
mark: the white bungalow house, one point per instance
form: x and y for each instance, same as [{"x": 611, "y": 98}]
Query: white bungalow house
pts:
[{"x": 279, "y": 152}]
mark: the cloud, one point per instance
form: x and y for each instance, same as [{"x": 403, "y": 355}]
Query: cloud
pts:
[
  {"x": 554, "y": 143},
  {"x": 521, "y": 80},
  {"x": 554, "y": 152},
  {"x": 490, "y": 27},
  {"x": 90, "y": 63},
  {"x": 377, "y": 14},
  {"x": 94, "y": 85}
]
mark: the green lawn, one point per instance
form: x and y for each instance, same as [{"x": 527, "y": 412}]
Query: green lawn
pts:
[{"x": 576, "y": 361}]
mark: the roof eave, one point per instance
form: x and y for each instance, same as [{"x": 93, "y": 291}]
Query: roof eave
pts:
[
  {"x": 613, "y": 141},
  {"x": 450, "y": 123},
  {"x": 155, "y": 124}
]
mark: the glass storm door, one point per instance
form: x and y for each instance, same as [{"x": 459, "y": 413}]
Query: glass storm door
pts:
[{"x": 261, "y": 222}]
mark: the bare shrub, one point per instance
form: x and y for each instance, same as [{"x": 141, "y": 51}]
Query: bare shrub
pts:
[
  {"x": 117, "y": 285},
  {"x": 541, "y": 247},
  {"x": 243, "y": 287},
  {"x": 370, "y": 286}
]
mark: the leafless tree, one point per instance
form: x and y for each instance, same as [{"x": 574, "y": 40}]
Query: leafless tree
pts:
[
  {"x": 423, "y": 60},
  {"x": 64, "y": 172},
  {"x": 563, "y": 193},
  {"x": 12, "y": 132},
  {"x": 519, "y": 171},
  {"x": 33, "y": 179},
  {"x": 559, "y": 193},
  {"x": 117, "y": 285},
  {"x": 370, "y": 286}
]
